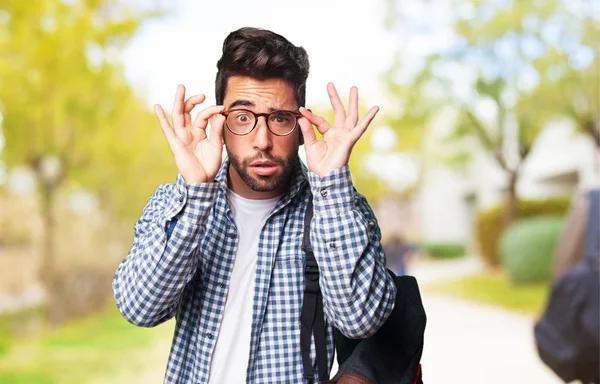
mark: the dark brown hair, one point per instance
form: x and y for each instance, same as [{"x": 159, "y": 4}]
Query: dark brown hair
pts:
[{"x": 262, "y": 55}]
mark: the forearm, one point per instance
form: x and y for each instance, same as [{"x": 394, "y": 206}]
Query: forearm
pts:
[
  {"x": 358, "y": 293},
  {"x": 148, "y": 283}
]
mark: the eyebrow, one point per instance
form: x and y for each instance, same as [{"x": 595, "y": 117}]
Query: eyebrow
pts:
[{"x": 246, "y": 103}]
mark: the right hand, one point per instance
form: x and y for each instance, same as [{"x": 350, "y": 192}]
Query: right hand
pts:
[{"x": 197, "y": 156}]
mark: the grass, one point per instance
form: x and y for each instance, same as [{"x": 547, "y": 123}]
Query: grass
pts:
[
  {"x": 84, "y": 351},
  {"x": 496, "y": 289}
]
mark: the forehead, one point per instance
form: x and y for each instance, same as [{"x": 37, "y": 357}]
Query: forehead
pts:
[{"x": 261, "y": 94}]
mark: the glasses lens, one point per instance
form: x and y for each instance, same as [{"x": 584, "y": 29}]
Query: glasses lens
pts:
[
  {"x": 282, "y": 123},
  {"x": 240, "y": 121}
]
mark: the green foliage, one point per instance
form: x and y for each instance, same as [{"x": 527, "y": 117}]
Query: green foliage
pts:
[
  {"x": 64, "y": 96},
  {"x": 496, "y": 289},
  {"x": 509, "y": 68},
  {"x": 95, "y": 349},
  {"x": 527, "y": 248},
  {"x": 444, "y": 250},
  {"x": 489, "y": 223}
]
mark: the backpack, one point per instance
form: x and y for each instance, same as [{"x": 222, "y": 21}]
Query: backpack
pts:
[
  {"x": 392, "y": 355},
  {"x": 567, "y": 335}
]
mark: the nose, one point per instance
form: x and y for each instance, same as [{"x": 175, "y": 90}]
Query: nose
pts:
[{"x": 262, "y": 135}]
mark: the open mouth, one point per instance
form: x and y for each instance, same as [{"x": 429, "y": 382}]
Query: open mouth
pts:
[{"x": 264, "y": 167}]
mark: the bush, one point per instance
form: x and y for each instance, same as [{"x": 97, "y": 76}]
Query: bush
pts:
[
  {"x": 489, "y": 223},
  {"x": 527, "y": 248},
  {"x": 444, "y": 251}
]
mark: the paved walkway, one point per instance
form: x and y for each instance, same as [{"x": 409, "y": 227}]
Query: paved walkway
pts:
[{"x": 468, "y": 342}]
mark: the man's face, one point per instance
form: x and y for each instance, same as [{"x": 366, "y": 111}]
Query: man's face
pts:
[{"x": 261, "y": 163}]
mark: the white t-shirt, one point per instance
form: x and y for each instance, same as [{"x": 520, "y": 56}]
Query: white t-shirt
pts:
[{"x": 232, "y": 349}]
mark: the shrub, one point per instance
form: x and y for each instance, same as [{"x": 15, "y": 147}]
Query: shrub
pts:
[
  {"x": 527, "y": 248},
  {"x": 489, "y": 223},
  {"x": 444, "y": 250}
]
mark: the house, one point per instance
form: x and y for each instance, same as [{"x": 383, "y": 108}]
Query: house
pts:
[{"x": 560, "y": 162}]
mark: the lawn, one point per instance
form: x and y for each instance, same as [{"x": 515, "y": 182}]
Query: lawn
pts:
[
  {"x": 496, "y": 289},
  {"x": 98, "y": 348}
]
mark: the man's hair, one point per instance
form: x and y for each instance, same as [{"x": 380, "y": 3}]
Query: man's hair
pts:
[{"x": 262, "y": 55}]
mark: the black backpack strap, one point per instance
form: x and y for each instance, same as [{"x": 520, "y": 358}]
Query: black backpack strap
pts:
[
  {"x": 592, "y": 235},
  {"x": 312, "y": 308}
]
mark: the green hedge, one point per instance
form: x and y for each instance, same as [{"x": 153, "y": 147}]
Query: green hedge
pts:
[
  {"x": 527, "y": 248},
  {"x": 489, "y": 223},
  {"x": 444, "y": 250}
]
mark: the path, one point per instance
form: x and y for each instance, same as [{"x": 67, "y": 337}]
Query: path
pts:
[{"x": 468, "y": 342}]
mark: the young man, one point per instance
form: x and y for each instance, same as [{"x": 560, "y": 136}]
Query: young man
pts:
[{"x": 220, "y": 249}]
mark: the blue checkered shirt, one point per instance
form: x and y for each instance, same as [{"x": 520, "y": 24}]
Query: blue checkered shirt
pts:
[{"x": 182, "y": 258}]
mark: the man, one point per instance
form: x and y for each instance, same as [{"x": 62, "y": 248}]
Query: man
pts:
[
  {"x": 220, "y": 249},
  {"x": 398, "y": 254}
]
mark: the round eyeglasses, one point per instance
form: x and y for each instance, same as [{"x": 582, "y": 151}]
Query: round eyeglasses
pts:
[{"x": 243, "y": 121}]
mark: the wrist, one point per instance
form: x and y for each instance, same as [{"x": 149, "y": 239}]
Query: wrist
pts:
[{"x": 194, "y": 179}]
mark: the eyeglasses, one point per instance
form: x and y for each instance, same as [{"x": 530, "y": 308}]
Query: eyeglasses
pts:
[{"x": 242, "y": 122}]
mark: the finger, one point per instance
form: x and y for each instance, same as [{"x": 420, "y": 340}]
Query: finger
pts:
[
  {"x": 308, "y": 132},
  {"x": 352, "y": 117},
  {"x": 216, "y": 130},
  {"x": 190, "y": 103},
  {"x": 317, "y": 121},
  {"x": 364, "y": 123},
  {"x": 164, "y": 123},
  {"x": 201, "y": 120},
  {"x": 177, "y": 114},
  {"x": 339, "y": 113}
]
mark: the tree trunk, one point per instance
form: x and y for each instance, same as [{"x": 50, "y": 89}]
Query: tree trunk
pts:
[
  {"x": 512, "y": 203},
  {"x": 48, "y": 271},
  {"x": 593, "y": 130},
  {"x": 48, "y": 263}
]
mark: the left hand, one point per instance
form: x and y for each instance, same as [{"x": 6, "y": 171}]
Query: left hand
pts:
[{"x": 333, "y": 151}]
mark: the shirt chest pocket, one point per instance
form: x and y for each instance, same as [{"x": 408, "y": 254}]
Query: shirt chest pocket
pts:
[{"x": 290, "y": 251}]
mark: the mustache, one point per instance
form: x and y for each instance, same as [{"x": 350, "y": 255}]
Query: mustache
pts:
[{"x": 266, "y": 156}]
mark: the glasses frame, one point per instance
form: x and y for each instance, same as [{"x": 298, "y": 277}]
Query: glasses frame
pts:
[{"x": 297, "y": 115}]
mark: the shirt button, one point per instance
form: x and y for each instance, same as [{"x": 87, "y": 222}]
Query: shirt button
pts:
[
  {"x": 209, "y": 335},
  {"x": 232, "y": 236},
  {"x": 332, "y": 245},
  {"x": 220, "y": 285},
  {"x": 163, "y": 240},
  {"x": 324, "y": 193},
  {"x": 181, "y": 199}
]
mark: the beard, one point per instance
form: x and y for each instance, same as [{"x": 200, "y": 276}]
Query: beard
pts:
[{"x": 260, "y": 183}]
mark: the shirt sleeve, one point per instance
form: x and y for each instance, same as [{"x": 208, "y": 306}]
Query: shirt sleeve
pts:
[
  {"x": 358, "y": 292},
  {"x": 149, "y": 281}
]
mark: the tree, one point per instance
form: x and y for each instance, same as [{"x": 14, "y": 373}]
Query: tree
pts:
[
  {"x": 62, "y": 91},
  {"x": 503, "y": 70}
]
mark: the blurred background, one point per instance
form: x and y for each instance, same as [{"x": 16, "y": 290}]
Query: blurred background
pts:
[{"x": 488, "y": 133}]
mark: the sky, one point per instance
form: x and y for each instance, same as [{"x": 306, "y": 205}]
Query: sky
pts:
[{"x": 345, "y": 40}]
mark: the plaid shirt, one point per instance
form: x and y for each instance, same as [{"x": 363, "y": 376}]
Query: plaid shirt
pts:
[{"x": 183, "y": 254}]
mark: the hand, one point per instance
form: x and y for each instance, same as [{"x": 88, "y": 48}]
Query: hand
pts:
[
  {"x": 333, "y": 151},
  {"x": 197, "y": 156}
]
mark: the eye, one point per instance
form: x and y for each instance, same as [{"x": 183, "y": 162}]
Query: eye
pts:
[
  {"x": 281, "y": 118},
  {"x": 242, "y": 117}
]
